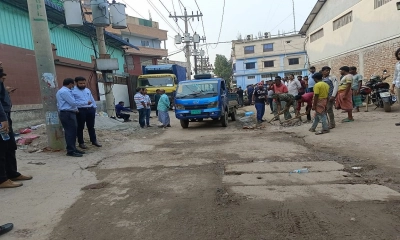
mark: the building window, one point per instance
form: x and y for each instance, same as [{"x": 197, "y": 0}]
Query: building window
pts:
[
  {"x": 294, "y": 73},
  {"x": 268, "y": 47},
  {"x": 379, "y": 3},
  {"x": 268, "y": 64},
  {"x": 145, "y": 43},
  {"x": 293, "y": 61},
  {"x": 343, "y": 20},
  {"x": 269, "y": 76},
  {"x": 248, "y": 49},
  {"x": 317, "y": 35},
  {"x": 251, "y": 77},
  {"x": 250, "y": 65}
]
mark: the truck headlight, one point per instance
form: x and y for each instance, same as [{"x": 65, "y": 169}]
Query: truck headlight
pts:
[
  {"x": 213, "y": 105},
  {"x": 179, "y": 107}
]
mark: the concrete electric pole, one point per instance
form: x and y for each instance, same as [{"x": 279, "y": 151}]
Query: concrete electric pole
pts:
[
  {"x": 46, "y": 72},
  {"x": 109, "y": 95},
  {"x": 187, "y": 39}
]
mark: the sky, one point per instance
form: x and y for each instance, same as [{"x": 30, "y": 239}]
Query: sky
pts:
[{"x": 240, "y": 17}]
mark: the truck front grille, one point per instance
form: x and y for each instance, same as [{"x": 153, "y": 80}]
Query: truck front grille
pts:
[{"x": 196, "y": 107}]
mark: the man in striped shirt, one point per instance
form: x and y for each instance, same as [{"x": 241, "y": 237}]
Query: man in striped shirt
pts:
[{"x": 140, "y": 106}]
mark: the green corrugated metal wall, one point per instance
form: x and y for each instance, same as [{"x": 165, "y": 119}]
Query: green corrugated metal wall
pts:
[{"x": 15, "y": 30}]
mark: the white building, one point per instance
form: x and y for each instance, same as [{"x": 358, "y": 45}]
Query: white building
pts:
[{"x": 361, "y": 33}]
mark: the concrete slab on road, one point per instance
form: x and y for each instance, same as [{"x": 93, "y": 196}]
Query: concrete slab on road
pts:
[
  {"x": 339, "y": 192},
  {"x": 287, "y": 179},
  {"x": 283, "y": 167}
]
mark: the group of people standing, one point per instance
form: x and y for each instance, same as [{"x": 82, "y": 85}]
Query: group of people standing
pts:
[
  {"x": 143, "y": 105},
  {"x": 321, "y": 91},
  {"x": 77, "y": 108}
]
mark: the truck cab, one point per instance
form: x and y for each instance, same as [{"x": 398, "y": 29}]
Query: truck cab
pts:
[
  {"x": 161, "y": 77},
  {"x": 204, "y": 98}
]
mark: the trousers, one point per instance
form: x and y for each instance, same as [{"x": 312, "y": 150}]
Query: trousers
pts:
[
  {"x": 320, "y": 117},
  {"x": 8, "y": 159},
  {"x": 148, "y": 112},
  {"x": 331, "y": 115},
  {"x": 260, "y": 107},
  {"x": 142, "y": 117},
  {"x": 86, "y": 115},
  {"x": 69, "y": 123}
]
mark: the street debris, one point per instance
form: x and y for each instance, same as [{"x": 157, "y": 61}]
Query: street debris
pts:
[
  {"x": 36, "y": 163},
  {"x": 356, "y": 168},
  {"x": 301, "y": 170}
]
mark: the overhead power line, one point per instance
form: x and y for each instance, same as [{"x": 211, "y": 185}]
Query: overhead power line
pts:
[
  {"x": 161, "y": 16},
  {"x": 222, "y": 21},
  {"x": 170, "y": 14},
  {"x": 133, "y": 9}
]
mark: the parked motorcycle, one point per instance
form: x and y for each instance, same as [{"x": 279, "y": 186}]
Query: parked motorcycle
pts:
[{"x": 378, "y": 92}]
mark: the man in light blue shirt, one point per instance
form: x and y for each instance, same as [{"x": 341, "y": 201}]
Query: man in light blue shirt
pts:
[
  {"x": 311, "y": 81},
  {"x": 87, "y": 111},
  {"x": 66, "y": 105}
]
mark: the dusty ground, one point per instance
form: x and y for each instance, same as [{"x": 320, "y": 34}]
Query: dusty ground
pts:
[{"x": 209, "y": 182}]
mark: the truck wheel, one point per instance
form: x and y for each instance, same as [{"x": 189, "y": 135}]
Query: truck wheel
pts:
[
  {"x": 185, "y": 123},
  {"x": 224, "y": 119},
  {"x": 233, "y": 115},
  {"x": 387, "y": 107}
]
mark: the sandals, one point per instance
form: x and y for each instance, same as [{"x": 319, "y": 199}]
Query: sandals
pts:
[
  {"x": 322, "y": 132},
  {"x": 347, "y": 120}
]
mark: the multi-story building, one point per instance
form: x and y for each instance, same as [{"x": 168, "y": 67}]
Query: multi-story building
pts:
[
  {"x": 74, "y": 49},
  {"x": 264, "y": 58},
  {"x": 143, "y": 33},
  {"x": 361, "y": 33}
]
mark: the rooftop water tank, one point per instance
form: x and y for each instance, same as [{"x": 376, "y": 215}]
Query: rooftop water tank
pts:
[
  {"x": 73, "y": 13},
  {"x": 100, "y": 13},
  {"x": 118, "y": 16}
]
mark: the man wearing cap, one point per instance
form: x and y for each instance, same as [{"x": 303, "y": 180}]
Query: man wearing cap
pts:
[
  {"x": 259, "y": 99},
  {"x": 333, "y": 89}
]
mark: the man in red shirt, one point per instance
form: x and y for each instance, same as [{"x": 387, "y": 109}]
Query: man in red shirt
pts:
[
  {"x": 279, "y": 88},
  {"x": 305, "y": 98}
]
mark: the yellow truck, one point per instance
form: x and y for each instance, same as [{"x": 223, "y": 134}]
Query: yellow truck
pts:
[{"x": 166, "y": 76}]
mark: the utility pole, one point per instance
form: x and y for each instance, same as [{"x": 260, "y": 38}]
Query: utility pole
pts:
[
  {"x": 294, "y": 18},
  {"x": 195, "y": 58},
  {"x": 46, "y": 72},
  {"x": 187, "y": 38},
  {"x": 110, "y": 108}
]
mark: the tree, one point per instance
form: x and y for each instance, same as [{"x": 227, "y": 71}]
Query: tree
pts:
[{"x": 223, "y": 68}]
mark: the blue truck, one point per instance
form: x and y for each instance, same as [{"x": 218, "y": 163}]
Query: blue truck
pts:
[
  {"x": 204, "y": 98},
  {"x": 166, "y": 76}
]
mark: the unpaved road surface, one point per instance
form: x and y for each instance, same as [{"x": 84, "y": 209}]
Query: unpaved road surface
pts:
[{"x": 209, "y": 182}]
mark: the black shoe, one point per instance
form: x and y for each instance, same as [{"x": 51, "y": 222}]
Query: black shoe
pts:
[
  {"x": 169, "y": 125},
  {"x": 83, "y": 146},
  {"x": 6, "y": 228},
  {"x": 74, "y": 154},
  {"x": 150, "y": 117},
  {"x": 79, "y": 151},
  {"x": 96, "y": 144},
  {"x": 149, "y": 126}
]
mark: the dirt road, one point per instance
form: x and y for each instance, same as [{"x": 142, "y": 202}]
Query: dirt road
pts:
[{"x": 208, "y": 182}]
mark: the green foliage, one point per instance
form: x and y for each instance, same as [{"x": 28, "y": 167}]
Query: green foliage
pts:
[{"x": 223, "y": 68}]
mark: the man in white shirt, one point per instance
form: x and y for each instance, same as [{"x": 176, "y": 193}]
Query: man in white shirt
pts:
[
  {"x": 333, "y": 89},
  {"x": 293, "y": 88},
  {"x": 148, "y": 107}
]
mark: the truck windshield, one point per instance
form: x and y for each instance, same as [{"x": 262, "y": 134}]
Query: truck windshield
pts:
[
  {"x": 199, "y": 90},
  {"x": 156, "y": 82}
]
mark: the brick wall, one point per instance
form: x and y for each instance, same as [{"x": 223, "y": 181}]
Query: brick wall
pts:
[
  {"x": 369, "y": 61},
  {"x": 20, "y": 66}
]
